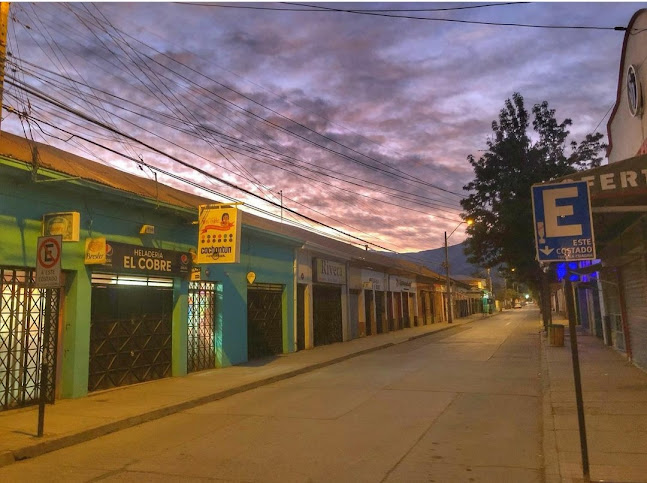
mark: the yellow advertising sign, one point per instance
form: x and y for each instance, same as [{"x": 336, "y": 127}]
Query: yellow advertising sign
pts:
[
  {"x": 95, "y": 251},
  {"x": 219, "y": 234}
]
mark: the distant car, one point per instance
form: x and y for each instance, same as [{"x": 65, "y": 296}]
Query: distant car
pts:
[{"x": 517, "y": 305}]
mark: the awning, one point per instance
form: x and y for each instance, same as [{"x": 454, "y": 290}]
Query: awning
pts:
[
  {"x": 618, "y": 199},
  {"x": 623, "y": 183}
]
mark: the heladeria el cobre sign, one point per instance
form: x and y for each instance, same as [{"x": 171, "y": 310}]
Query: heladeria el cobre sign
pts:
[{"x": 123, "y": 257}]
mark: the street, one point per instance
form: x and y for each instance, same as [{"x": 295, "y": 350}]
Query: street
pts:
[{"x": 459, "y": 405}]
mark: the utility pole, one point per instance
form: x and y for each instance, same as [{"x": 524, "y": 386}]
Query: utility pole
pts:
[
  {"x": 4, "y": 24},
  {"x": 450, "y": 309},
  {"x": 489, "y": 284}
]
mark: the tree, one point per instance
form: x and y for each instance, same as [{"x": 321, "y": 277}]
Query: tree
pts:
[{"x": 500, "y": 203}]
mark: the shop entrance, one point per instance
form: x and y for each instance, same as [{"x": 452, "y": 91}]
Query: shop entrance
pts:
[
  {"x": 379, "y": 311},
  {"x": 326, "y": 314},
  {"x": 353, "y": 313},
  {"x": 130, "y": 330},
  {"x": 201, "y": 352},
  {"x": 28, "y": 338},
  {"x": 368, "y": 311},
  {"x": 301, "y": 317},
  {"x": 264, "y": 320}
]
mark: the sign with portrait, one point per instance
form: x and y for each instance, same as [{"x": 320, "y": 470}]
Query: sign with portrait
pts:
[{"x": 219, "y": 234}]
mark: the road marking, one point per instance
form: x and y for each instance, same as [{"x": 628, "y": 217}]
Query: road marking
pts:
[{"x": 508, "y": 323}]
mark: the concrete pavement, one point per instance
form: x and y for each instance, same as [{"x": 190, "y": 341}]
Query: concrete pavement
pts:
[
  {"x": 72, "y": 421},
  {"x": 615, "y": 399},
  {"x": 615, "y": 408}
]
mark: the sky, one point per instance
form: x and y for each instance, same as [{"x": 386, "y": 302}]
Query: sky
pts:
[{"x": 359, "y": 120}]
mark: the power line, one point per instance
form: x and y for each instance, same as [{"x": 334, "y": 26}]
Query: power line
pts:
[
  {"x": 43, "y": 97},
  {"x": 357, "y": 183},
  {"x": 247, "y": 7},
  {"x": 473, "y": 22},
  {"x": 281, "y": 128}
]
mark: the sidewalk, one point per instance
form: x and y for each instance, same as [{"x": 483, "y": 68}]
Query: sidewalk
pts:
[
  {"x": 615, "y": 407},
  {"x": 72, "y": 421}
]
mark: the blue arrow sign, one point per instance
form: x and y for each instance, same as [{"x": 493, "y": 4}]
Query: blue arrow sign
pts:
[{"x": 562, "y": 222}]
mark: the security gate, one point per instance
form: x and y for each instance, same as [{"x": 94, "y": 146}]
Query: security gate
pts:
[
  {"x": 326, "y": 314},
  {"x": 201, "y": 353},
  {"x": 130, "y": 330},
  {"x": 28, "y": 338},
  {"x": 379, "y": 311},
  {"x": 368, "y": 311},
  {"x": 301, "y": 317},
  {"x": 264, "y": 320}
]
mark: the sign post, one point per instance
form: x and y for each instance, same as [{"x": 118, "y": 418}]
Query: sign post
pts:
[
  {"x": 564, "y": 232},
  {"x": 48, "y": 276}
]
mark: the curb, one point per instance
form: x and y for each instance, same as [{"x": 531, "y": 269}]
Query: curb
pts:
[
  {"x": 39, "y": 449},
  {"x": 550, "y": 456}
]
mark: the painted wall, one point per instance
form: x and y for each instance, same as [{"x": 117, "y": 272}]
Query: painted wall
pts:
[
  {"x": 628, "y": 132},
  {"x": 103, "y": 212},
  {"x": 271, "y": 257}
]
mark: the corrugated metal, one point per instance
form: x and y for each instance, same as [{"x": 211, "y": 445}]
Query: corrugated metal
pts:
[
  {"x": 51, "y": 158},
  {"x": 19, "y": 149},
  {"x": 612, "y": 306},
  {"x": 635, "y": 290}
]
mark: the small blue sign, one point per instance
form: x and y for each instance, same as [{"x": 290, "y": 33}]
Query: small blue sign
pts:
[{"x": 562, "y": 222}]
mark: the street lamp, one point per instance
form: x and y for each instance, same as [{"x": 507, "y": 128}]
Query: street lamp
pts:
[{"x": 450, "y": 308}]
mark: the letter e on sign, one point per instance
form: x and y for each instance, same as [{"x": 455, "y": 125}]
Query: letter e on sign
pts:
[
  {"x": 48, "y": 261},
  {"x": 562, "y": 221}
]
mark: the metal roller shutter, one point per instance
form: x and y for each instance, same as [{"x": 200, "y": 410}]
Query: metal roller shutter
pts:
[
  {"x": 635, "y": 291},
  {"x": 326, "y": 314},
  {"x": 264, "y": 320}
]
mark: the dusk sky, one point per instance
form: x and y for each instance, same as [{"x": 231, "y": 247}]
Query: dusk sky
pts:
[{"x": 364, "y": 121}]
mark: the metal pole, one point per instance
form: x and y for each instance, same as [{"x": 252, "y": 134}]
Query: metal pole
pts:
[
  {"x": 570, "y": 307},
  {"x": 42, "y": 399},
  {"x": 450, "y": 315},
  {"x": 489, "y": 281},
  {"x": 4, "y": 24},
  {"x": 44, "y": 372}
]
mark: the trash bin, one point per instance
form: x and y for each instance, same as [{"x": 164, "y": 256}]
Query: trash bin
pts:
[{"x": 556, "y": 335}]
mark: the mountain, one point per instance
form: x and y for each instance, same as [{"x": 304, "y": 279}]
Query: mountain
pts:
[{"x": 433, "y": 259}]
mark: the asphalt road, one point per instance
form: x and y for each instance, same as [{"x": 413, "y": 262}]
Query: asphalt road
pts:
[{"x": 463, "y": 405}]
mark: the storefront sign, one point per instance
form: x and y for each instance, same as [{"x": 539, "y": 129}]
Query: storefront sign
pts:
[
  {"x": 95, "y": 251},
  {"x": 65, "y": 224},
  {"x": 398, "y": 284},
  {"x": 196, "y": 274},
  {"x": 219, "y": 234},
  {"x": 377, "y": 283},
  {"x": 48, "y": 261},
  {"x": 123, "y": 257},
  {"x": 329, "y": 272},
  {"x": 622, "y": 178}
]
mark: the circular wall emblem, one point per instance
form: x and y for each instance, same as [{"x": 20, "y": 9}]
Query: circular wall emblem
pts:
[{"x": 634, "y": 92}]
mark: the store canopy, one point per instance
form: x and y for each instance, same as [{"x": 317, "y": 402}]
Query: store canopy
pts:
[
  {"x": 618, "y": 197},
  {"x": 620, "y": 184}
]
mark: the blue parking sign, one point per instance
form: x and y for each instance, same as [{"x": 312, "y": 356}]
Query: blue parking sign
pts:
[{"x": 562, "y": 222}]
